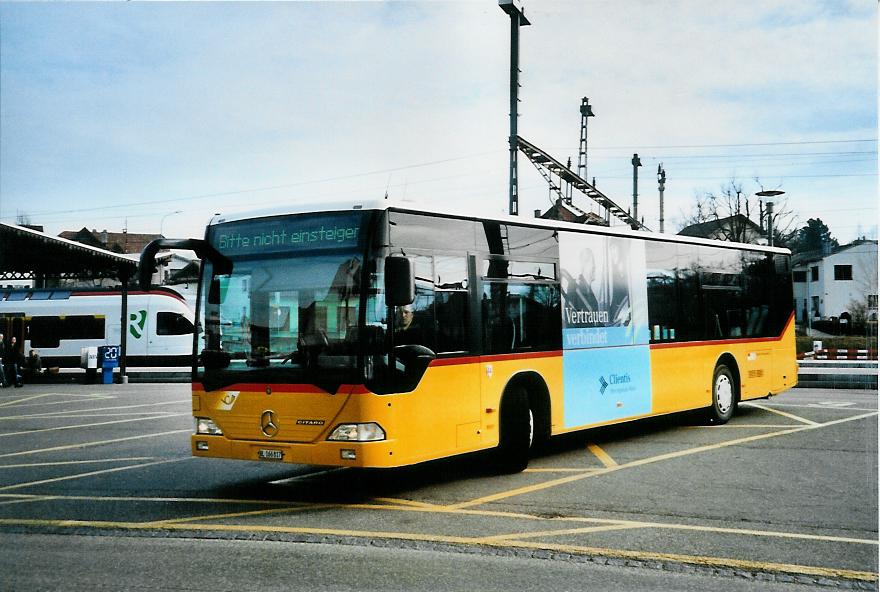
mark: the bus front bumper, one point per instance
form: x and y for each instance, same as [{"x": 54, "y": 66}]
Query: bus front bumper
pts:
[{"x": 337, "y": 454}]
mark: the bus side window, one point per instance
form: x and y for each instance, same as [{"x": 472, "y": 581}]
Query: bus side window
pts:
[
  {"x": 416, "y": 323},
  {"x": 521, "y": 317},
  {"x": 451, "y": 303}
]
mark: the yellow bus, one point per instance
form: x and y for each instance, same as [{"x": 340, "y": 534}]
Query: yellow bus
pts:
[{"x": 381, "y": 334}]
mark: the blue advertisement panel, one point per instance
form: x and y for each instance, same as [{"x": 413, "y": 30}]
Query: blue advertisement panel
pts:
[
  {"x": 606, "y": 384},
  {"x": 606, "y": 358}
]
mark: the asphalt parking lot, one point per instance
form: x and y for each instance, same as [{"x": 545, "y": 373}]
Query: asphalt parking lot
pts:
[{"x": 786, "y": 492}]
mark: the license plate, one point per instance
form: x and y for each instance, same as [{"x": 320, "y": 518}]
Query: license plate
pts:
[{"x": 268, "y": 454}]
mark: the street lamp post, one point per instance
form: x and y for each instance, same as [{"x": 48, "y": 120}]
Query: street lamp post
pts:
[
  {"x": 769, "y": 195},
  {"x": 162, "y": 222},
  {"x": 517, "y": 19}
]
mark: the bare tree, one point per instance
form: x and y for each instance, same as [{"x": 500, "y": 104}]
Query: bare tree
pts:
[{"x": 737, "y": 214}]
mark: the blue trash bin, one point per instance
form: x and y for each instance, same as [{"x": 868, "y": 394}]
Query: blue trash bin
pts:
[{"x": 108, "y": 359}]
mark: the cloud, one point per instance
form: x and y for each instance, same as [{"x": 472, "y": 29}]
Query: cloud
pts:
[{"x": 125, "y": 103}]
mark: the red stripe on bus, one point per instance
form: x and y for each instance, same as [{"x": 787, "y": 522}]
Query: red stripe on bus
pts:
[
  {"x": 725, "y": 341},
  {"x": 355, "y": 389},
  {"x": 494, "y": 358}
]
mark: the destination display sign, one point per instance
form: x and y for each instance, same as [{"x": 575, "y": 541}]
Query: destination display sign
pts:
[{"x": 284, "y": 234}]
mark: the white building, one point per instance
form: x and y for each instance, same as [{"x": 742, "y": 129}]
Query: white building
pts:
[
  {"x": 831, "y": 284},
  {"x": 170, "y": 265}
]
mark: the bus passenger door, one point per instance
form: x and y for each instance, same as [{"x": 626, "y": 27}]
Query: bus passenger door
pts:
[{"x": 452, "y": 383}]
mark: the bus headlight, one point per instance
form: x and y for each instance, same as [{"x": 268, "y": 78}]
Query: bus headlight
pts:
[
  {"x": 357, "y": 432},
  {"x": 207, "y": 427}
]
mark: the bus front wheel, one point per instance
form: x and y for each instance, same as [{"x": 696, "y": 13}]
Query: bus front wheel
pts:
[
  {"x": 517, "y": 431},
  {"x": 724, "y": 395}
]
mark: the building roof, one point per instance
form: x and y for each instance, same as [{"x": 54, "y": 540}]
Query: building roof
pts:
[
  {"x": 567, "y": 212},
  {"x": 118, "y": 242},
  {"x": 819, "y": 254},
  {"x": 712, "y": 228},
  {"x": 30, "y": 254}
]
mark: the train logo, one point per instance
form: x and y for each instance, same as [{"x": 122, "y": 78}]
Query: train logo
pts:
[{"x": 136, "y": 323}]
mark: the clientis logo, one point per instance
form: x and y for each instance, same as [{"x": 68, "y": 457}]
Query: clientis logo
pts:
[
  {"x": 136, "y": 323},
  {"x": 613, "y": 380}
]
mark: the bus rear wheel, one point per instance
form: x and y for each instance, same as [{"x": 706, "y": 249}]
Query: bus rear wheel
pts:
[
  {"x": 724, "y": 395},
  {"x": 517, "y": 431}
]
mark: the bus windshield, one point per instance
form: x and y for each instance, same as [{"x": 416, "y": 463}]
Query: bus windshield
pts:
[{"x": 288, "y": 310}]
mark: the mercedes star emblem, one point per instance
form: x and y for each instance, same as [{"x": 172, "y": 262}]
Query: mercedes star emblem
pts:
[{"x": 267, "y": 424}]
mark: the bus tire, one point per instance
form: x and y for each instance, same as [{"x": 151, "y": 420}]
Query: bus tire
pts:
[
  {"x": 517, "y": 431},
  {"x": 724, "y": 395}
]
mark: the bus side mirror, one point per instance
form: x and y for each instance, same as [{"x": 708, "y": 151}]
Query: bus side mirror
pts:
[{"x": 400, "y": 281}]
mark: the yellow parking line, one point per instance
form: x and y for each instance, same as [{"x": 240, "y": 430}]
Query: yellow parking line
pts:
[
  {"x": 75, "y": 462},
  {"x": 405, "y": 502},
  {"x": 93, "y": 397},
  {"x": 528, "y": 489},
  {"x": 601, "y": 523},
  {"x": 190, "y": 519},
  {"x": 91, "y": 425},
  {"x": 783, "y": 414},
  {"x": 560, "y": 470},
  {"x": 91, "y": 473},
  {"x": 645, "y": 461},
  {"x": 601, "y": 455},
  {"x": 93, "y": 443},
  {"x": 31, "y": 398},
  {"x": 24, "y": 500},
  {"x": 161, "y": 500},
  {"x": 516, "y": 536},
  {"x": 74, "y": 411},
  {"x": 733, "y": 426},
  {"x": 436, "y": 538}
]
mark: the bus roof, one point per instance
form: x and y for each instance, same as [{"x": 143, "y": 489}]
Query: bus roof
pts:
[{"x": 408, "y": 206}]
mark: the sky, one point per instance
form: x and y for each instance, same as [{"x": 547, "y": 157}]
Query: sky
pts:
[{"x": 155, "y": 116}]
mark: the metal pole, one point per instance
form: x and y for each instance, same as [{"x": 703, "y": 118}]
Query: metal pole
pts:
[
  {"x": 123, "y": 326},
  {"x": 769, "y": 195},
  {"x": 586, "y": 113},
  {"x": 636, "y": 164},
  {"x": 661, "y": 179},
  {"x": 517, "y": 20},
  {"x": 514, "y": 100}
]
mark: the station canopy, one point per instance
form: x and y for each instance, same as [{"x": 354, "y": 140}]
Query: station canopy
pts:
[{"x": 27, "y": 254}]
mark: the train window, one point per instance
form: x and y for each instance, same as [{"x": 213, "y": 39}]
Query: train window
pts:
[
  {"x": 82, "y": 327},
  {"x": 60, "y": 295},
  {"x": 44, "y": 331},
  {"x": 172, "y": 323},
  {"x": 40, "y": 295},
  {"x": 17, "y": 296}
]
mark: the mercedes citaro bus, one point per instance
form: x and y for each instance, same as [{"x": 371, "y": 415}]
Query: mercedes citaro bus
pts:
[{"x": 381, "y": 334}]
